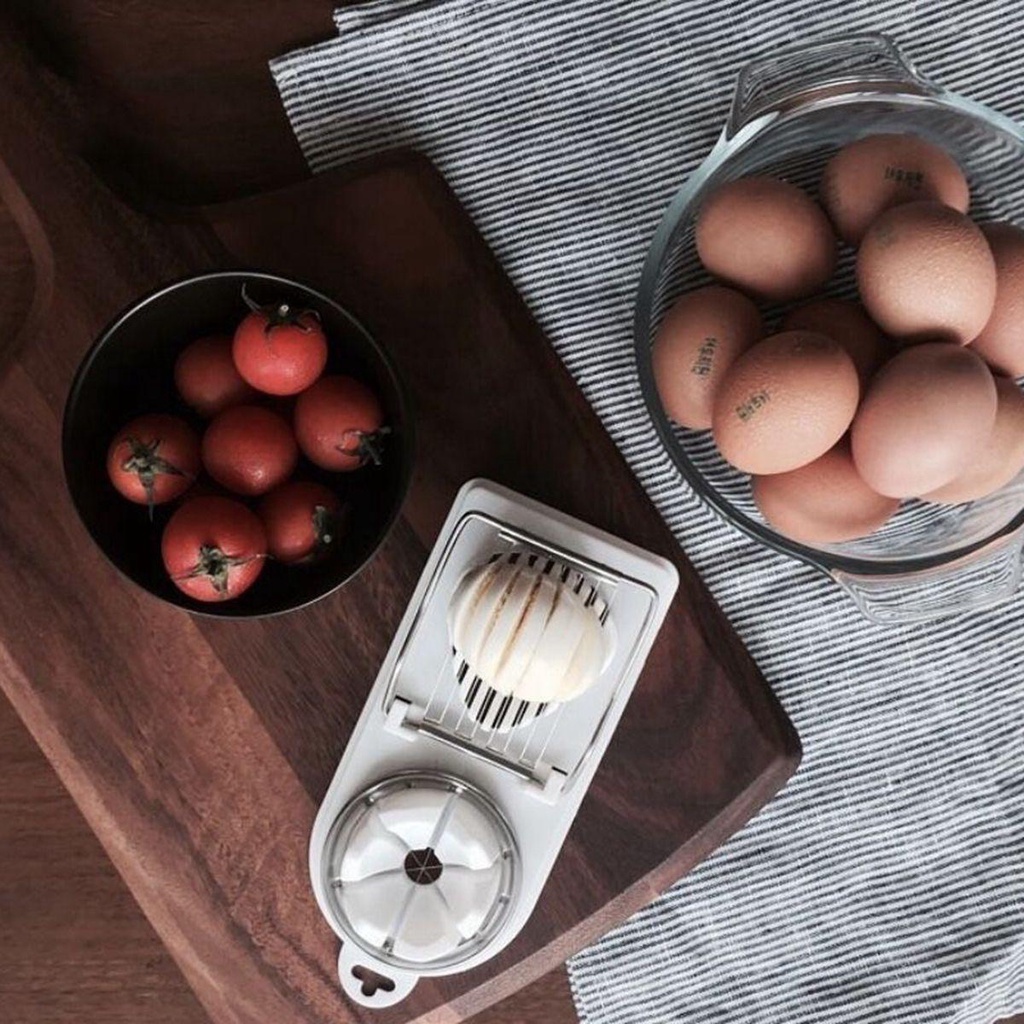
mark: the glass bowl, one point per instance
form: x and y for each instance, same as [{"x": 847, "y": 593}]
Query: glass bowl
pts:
[{"x": 789, "y": 114}]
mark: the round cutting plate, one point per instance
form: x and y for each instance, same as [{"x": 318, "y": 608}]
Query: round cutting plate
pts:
[{"x": 420, "y": 871}]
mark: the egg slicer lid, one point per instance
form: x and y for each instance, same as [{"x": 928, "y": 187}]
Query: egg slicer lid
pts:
[
  {"x": 498, "y": 712},
  {"x": 432, "y": 691},
  {"x": 420, "y": 870}
]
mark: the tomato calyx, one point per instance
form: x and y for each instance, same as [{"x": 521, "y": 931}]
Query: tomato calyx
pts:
[
  {"x": 281, "y": 314},
  {"x": 216, "y": 566},
  {"x": 144, "y": 461},
  {"x": 325, "y": 524},
  {"x": 366, "y": 445}
]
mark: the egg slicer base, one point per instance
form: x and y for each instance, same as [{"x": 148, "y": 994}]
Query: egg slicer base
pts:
[{"x": 466, "y": 795}]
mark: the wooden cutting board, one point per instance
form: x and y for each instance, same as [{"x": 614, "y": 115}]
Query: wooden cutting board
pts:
[{"x": 198, "y": 750}]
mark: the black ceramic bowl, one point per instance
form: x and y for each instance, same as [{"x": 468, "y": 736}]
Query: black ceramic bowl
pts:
[{"x": 130, "y": 371}]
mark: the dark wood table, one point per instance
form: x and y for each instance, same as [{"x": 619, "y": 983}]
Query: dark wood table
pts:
[
  {"x": 198, "y": 750},
  {"x": 103, "y": 963}
]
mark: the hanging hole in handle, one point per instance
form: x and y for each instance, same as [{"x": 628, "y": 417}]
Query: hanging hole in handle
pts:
[
  {"x": 834, "y": 66},
  {"x": 369, "y": 987},
  {"x": 371, "y": 981}
]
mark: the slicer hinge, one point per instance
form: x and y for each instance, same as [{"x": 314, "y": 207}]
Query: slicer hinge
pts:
[
  {"x": 405, "y": 719},
  {"x": 396, "y": 721},
  {"x": 550, "y": 789}
]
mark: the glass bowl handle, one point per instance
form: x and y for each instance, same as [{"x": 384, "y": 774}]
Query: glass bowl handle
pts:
[
  {"x": 854, "y": 63},
  {"x": 981, "y": 580}
]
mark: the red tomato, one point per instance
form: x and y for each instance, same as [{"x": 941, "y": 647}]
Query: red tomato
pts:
[
  {"x": 153, "y": 459},
  {"x": 339, "y": 424},
  {"x": 303, "y": 521},
  {"x": 249, "y": 450},
  {"x": 213, "y": 548},
  {"x": 206, "y": 378},
  {"x": 279, "y": 349}
]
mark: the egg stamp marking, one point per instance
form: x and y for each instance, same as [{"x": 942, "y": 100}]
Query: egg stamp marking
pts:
[
  {"x": 756, "y": 401},
  {"x": 912, "y": 179},
  {"x": 704, "y": 363}
]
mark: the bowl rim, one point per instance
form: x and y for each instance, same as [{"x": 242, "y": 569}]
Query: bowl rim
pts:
[
  {"x": 226, "y": 609},
  {"x": 828, "y": 562}
]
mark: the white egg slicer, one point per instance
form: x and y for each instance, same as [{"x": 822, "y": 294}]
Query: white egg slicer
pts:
[{"x": 452, "y": 801}]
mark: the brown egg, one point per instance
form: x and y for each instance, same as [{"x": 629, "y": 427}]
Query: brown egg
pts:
[
  {"x": 927, "y": 414},
  {"x": 926, "y": 273},
  {"x": 824, "y": 502},
  {"x": 1001, "y": 341},
  {"x": 871, "y": 175},
  {"x": 847, "y": 323},
  {"x": 784, "y": 402},
  {"x": 700, "y": 337},
  {"x": 1000, "y": 459},
  {"x": 767, "y": 237}
]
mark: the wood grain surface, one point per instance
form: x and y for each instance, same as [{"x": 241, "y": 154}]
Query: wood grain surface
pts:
[
  {"x": 76, "y": 948},
  {"x": 196, "y": 750},
  {"x": 74, "y": 945},
  {"x": 174, "y": 98},
  {"x": 101, "y": 962}
]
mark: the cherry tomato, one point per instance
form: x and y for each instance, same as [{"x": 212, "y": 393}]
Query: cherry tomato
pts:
[
  {"x": 249, "y": 450},
  {"x": 303, "y": 521},
  {"x": 206, "y": 378},
  {"x": 339, "y": 424},
  {"x": 153, "y": 459},
  {"x": 213, "y": 548},
  {"x": 279, "y": 349}
]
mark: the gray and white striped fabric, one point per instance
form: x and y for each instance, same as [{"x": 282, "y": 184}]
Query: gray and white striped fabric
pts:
[{"x": 885, "y": 883}]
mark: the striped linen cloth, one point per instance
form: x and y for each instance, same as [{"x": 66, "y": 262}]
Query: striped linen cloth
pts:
[{"x": 885, "y": 883}]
